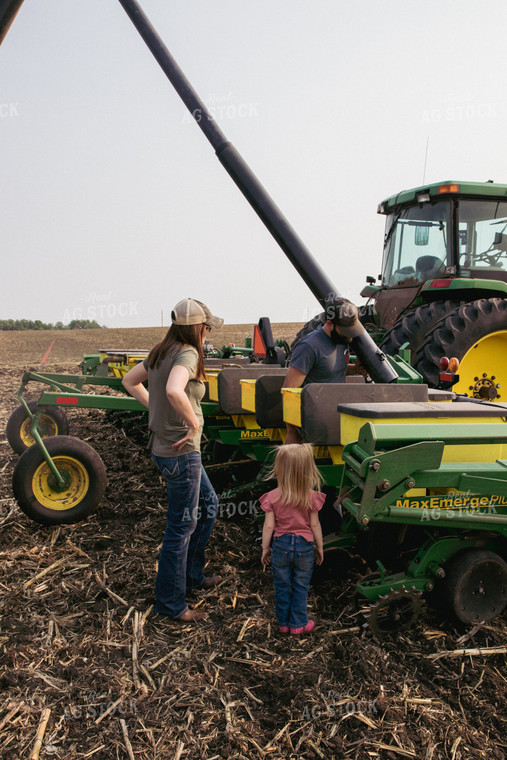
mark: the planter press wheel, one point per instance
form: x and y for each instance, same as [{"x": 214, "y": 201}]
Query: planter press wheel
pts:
[
  {"x": 475, "y": 333},
  {"x": 475, "y": 586},
  {"x": 53, "y": 421},
  {"x": 414, "y": 326},
  {"x": 37, "y": 491},
  {"x": 396, "y": 611}
]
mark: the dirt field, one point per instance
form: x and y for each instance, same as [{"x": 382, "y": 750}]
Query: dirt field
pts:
[
  {"x": 78, "y": 637},
  {"x": 20, "y": 349}
]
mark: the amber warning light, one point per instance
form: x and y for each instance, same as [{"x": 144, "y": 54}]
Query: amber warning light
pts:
[
  {"x": 448, "y": 369},
  {"x": 448, "y": 189}
]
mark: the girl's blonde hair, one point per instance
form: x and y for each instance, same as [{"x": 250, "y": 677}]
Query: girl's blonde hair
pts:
[{"x": 297, "y": 474}]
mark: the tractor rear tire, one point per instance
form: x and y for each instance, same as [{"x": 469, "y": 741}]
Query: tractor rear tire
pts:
[
  {"x": 36, "y": 492},
  {"x": 53, "y": 421},
  {"x": 476, "y": 334},
  {"x": 475, "y": 587},
  {"x": 413, "y": 327}
]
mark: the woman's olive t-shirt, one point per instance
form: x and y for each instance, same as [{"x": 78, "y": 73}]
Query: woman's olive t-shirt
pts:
[{"x": 166, "y": 425}]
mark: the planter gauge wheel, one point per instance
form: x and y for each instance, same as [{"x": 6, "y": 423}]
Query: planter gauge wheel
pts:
[
  {"x": 52, "y": 421},
  {"x": 475, "y": 587}
]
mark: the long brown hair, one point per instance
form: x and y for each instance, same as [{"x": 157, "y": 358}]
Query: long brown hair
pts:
[
  {"x": 297, "y": 474},
  {"x": 179, "y": 336}
]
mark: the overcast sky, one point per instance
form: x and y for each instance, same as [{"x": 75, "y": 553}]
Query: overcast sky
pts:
[{"x": 114, "y": 205}]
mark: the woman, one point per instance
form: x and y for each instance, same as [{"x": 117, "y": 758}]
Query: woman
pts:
[{"x": 175, "y": 373}]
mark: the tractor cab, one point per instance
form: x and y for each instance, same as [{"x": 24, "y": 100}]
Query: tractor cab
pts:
[{"x": 443, "y": 241}]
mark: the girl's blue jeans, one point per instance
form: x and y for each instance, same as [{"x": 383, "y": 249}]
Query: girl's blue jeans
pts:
[
  {"x": 292, "y": 563},
  {"x": 192, "y": 508}
]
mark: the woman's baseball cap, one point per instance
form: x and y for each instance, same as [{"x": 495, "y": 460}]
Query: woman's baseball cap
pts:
[{"x": 192, "y": 312}]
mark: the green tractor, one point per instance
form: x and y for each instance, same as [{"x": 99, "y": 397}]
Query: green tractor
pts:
[{"x": 443, "y": 287}]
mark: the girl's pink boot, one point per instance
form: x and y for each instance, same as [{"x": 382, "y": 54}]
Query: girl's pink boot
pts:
[{"x": 305, "y": 629}]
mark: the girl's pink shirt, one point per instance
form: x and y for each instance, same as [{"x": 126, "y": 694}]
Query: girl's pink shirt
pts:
[{"x": 291, "y": 519}]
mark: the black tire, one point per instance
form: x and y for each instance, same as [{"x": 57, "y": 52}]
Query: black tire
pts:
[
  {"x": 53, "y": 422},
  {"x": 457, "y": 333},
  {"x": 36, "y": 494},
  {"x": 310, "y": 326},
  {"x": 414, "y": 326},
  {"x": 475, "y": 586}
]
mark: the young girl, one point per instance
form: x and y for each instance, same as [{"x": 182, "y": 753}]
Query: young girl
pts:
[{"x": 292, "y": 515}]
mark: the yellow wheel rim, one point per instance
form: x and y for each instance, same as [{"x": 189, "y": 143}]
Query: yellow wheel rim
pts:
[
  {"x": 483, "y": 369},
  {"x": 47, "y": 426},
  {"x": 78, "y": 483}
]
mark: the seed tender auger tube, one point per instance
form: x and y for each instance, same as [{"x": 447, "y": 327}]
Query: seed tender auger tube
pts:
[
  {"x": 373, "y": 359},
  {"x": 8, "y": 11}
]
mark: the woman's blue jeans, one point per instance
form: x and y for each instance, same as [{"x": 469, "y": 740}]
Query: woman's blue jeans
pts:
[
  {"x": 192, "y": 508},
  {"x": 292, "y": 563}
]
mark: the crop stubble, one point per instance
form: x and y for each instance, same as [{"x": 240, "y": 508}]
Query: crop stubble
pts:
[{"x": 78, "y": 639}]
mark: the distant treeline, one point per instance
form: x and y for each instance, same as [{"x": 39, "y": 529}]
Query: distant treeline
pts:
[{"x": 36, "y": 324}]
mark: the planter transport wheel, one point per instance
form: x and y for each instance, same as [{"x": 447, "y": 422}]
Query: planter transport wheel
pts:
[
  {"x": 52, "y": 421},
  {"x": 394, "y": 612},
  {"x": 475, "y": 586},
  {"x": 37, "y": 492}
]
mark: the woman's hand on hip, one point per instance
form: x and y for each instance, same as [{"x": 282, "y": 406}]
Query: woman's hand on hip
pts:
[{"x": 191, "y": 433}]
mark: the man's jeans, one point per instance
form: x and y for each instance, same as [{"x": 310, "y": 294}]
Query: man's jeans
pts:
[
  {"x": 292, "y": 563},
  {"x": 192, "y": 508}
]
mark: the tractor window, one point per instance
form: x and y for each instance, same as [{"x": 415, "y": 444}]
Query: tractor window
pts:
[
  {"x": 482, "y": 236},
  {"x": 416, "y": 244}
]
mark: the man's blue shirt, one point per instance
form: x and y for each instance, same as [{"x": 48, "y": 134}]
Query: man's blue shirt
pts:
[{"x": 320, "y": 359}]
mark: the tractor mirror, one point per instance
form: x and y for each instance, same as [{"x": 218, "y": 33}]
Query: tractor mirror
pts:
[{"x": 422, "y": 235}]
